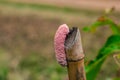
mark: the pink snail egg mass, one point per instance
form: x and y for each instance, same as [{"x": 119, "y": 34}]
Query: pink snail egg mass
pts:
[{"x": 59, "y": 41}]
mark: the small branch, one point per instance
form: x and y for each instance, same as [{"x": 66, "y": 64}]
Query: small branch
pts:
[
  {"x": 74, "y": 55},
  {"x": 117, "y": 60}
]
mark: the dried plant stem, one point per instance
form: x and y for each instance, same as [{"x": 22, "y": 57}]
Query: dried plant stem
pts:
[
  {"x": 76, "y": 70},
  {"x": 75, "y": 56}
]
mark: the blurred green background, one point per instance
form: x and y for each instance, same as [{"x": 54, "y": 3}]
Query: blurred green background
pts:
[{"x": 27, "y": 29}]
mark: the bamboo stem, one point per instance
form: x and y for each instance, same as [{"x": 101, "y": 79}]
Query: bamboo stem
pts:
[
  {"x": 76, "y": 70},
  {"x": 75, "y": 56}
]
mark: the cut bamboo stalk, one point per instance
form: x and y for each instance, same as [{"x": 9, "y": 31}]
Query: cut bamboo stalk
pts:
[{"x": 74, "y": 55}]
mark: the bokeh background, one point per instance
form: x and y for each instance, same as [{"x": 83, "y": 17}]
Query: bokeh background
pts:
[{"x": 27, "y": 29}]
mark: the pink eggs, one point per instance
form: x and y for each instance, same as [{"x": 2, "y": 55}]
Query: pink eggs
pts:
[{"x": 59, "y": 41}]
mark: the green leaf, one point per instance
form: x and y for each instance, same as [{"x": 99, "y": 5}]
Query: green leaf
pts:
[
  {"x": 114, "y": 27},
  {"x": 112, "y": 45},
  {"x": 86, "y": 29}
]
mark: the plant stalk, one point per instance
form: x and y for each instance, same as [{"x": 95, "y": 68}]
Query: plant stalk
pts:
[{"x": 75, "y": 56}]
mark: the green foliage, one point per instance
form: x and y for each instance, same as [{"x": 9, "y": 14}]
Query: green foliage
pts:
[
  {"x": 116, "y": 79},
  {"x": 3, "y": 73},
  {"x": 112, "y": 45},
  {"x": 101, "y": 22}
]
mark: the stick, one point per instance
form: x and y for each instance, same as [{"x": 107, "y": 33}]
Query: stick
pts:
[{"x": 74, "y": 55}]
